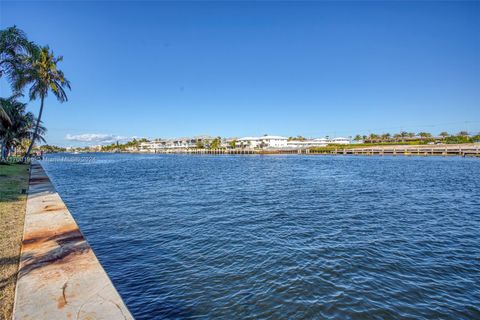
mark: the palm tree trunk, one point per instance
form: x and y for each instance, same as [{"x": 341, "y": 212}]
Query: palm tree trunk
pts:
[
  {"x": 3, "y": 153},
  {"x": 35, "y": 133}
]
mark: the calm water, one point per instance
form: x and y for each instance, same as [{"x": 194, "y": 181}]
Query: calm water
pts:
[{"x": 282, "y": 237}]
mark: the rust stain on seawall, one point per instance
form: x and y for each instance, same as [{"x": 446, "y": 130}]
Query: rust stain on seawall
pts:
[{"x": 59, "y": 275}]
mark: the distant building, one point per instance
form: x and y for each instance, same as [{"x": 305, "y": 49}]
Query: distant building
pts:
[
  {"x": 271, "y": 142},
  {"x": 299, "y": 144},
  {"x": 340, "y": 140},
  {"x": 177, "y": 143},
  {"x": 95, "y": 148},
  {"x": 263, "y": 142}
]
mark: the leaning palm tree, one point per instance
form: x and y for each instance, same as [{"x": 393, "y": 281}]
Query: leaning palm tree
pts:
[{"x": 43, "y": 77}]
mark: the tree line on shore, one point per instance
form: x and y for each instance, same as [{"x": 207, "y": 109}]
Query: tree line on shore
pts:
[
  {"x": 219, "y": 142},
  {"x": 460, "y": 137},
  {"x": 29, "y": 67}
]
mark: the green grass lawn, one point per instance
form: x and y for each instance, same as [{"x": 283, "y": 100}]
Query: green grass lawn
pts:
[{"x": 13, "y": 178}]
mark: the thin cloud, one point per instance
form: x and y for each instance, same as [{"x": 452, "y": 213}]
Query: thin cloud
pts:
[{"x": 95, "y": 137}]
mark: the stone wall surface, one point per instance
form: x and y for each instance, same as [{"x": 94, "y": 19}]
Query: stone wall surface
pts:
[{"x": 59, "y": 275}]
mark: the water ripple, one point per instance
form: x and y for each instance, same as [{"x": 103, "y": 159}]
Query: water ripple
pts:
[{"x": 282, "y": 237}]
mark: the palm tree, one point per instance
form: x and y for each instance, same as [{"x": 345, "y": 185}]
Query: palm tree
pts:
[
  {"x": 5, "y": 121},
  {"x": 386, "y": 136},
  {"x": 15, "y": 50},
  {"x": 373, "y": 137},
  {"x": 19, "y": 127},
  {"x": 3, "y": 114},
  {"x": 215, "y": 144},
  {"x": 43, "y": 76},
  {"x": 424, "y": 135}
]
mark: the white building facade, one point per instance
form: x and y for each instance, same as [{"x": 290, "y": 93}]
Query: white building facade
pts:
[{"x": 263, "y": 142}]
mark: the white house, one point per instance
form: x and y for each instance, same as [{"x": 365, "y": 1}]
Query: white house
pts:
[
  {"x": 274, "y": 141},
  {"x": 322, "y": 141},
  {"x": 248, "y": 142},
  {"x": 298, "y": 144},
  {"x": 177, "y": 143},
  {"x": 340, "y": 140},
  {"x": 264, "y": 142},
  {"x": 269, "y": 142}
]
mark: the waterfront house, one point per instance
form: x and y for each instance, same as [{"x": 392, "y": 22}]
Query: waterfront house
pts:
[
  {"x": 177, "y": 143},
  {"x": 268, "y": 142},
  {"x": 263, "y": 142},
  {"x": 301, "y": 144},
  {"x": 340, "y": 140}
]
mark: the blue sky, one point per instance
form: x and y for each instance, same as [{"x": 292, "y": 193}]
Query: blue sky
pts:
[{"x": 168, "y": 69}]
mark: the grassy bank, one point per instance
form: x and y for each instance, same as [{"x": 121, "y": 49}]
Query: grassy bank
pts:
[{"x": 13, "y": 178}]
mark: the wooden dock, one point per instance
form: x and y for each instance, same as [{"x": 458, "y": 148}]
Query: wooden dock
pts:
[{"x": 399, "y": 150}]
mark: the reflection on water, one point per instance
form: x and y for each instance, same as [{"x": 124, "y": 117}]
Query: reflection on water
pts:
[{"x": 282, "y": 237}]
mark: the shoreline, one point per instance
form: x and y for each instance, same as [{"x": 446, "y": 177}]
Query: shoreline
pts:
[
  {"x": 59, "y": 276},
  {"x": 463, "y": 150}
]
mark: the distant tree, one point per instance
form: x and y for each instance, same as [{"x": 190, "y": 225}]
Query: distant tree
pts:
[
  {"x": 463, "y": 133},
  {"x": 411, "y": 134},
  {"x": 458, "y": 139},
  {"x": 374, "y": 136},
  {"x": 233, "y": 143},
  {"x": 297, "y": 138},
  {"x": 51, "y": 149},
  {"x": 358, "y": 137},
  {"x": 443, "y": 134},
  {"x": 424, "y": 134},
  {"x": 215, "y": 144},
  {"x": 199, "y": 144},
  {"x": 386, "y": 136}
]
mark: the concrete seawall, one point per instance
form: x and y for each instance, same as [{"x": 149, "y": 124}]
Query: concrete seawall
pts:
[{"x": 59, "y": 275}]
